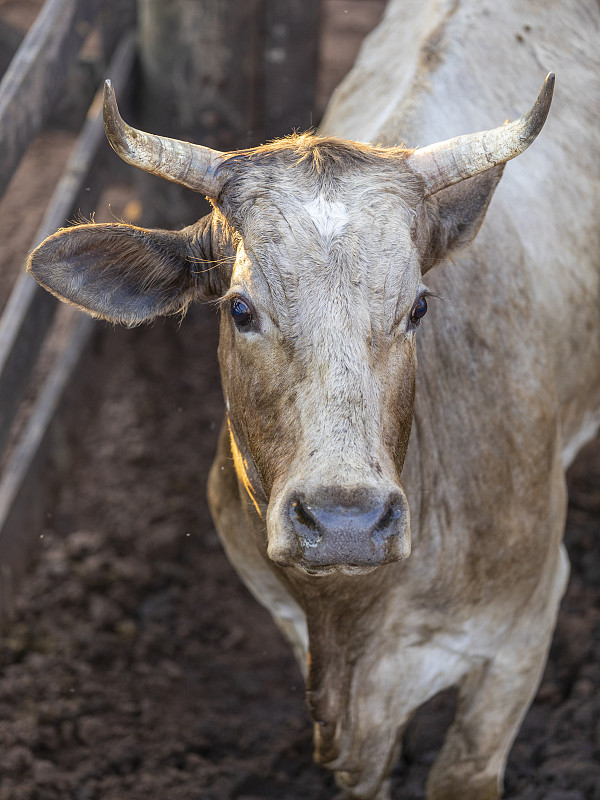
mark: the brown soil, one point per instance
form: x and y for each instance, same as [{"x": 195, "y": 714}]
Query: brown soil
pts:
[{"x": 137, "y": 665}]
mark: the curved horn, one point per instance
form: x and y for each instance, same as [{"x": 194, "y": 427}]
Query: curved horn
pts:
[
  {"x": 189, "y": 164},
  {"x": 445, "y": 163}
]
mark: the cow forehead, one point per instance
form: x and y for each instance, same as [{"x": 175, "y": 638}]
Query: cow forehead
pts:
[
  {"x": 349, "y": 245},
  {"x": 308, "y": 191}
]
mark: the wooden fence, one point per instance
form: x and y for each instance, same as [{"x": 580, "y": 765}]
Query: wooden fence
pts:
[
  {"x": 30, "y": 88},
  {"x": 226, "y": 73}
]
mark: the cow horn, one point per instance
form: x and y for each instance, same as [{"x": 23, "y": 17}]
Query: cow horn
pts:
[
  {"x": 189, "y": 164},
  {"x": 445, "y": 163}
]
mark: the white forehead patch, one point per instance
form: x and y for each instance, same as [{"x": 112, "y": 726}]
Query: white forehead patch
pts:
[{"x": 329, "y": 218}]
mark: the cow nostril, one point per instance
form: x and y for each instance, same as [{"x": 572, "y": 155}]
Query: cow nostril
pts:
[
  {"x": 304, "y": 516},
  {"x": 386, "y": 520},
  {"x": 305, "y": 524},
  {"x": 386, "y": 530}
]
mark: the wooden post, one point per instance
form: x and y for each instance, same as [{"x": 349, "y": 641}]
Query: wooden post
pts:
[
  {"x": 199, "y": 81},
  {"x": 290, "y": 61},
  {"x": 225, "y": 74},
  {"x": 115, "y": 18}
]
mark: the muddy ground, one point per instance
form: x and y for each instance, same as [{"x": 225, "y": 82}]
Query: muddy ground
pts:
[{"x": 138, "y": 666}]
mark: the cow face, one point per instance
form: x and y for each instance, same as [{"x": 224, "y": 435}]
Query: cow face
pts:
[
  {"x": 315, "y": 252},
  {"x": 318, "y": 349}
]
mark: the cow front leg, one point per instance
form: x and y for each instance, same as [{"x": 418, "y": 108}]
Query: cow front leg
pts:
[
  {"x": 372, "y": 784},
  {"x": 378, "y": 710},
  {"x": 383, "y": 793},
  {"x": 493, "y": 700}
]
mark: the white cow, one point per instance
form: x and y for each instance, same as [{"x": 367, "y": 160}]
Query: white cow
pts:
[{"x": 396, "y": 568}]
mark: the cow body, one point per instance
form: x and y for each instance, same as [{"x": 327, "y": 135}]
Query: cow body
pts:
[
  {"x": 508, "y": 389},
  {"x": 398, "y": 567}
]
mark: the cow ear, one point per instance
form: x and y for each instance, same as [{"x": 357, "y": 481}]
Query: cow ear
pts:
[
  {"x": 455, "y": 214},
  {"x": 123, "y": 273}
]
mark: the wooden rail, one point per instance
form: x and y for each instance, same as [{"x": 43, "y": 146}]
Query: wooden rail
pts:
[
  {"x": 24, "y": 488},
  {"x": 30, "y": 86},
  {"x": 29, "y": 311},
  {"x": 35, "y": 76}
]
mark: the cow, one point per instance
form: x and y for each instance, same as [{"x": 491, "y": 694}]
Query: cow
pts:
[{"x": 403, "y": 526}]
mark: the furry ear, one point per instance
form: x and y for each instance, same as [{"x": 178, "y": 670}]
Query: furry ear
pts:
[
  {"x": 454, "y": 215},
  {"x": 122, "y": 273}
]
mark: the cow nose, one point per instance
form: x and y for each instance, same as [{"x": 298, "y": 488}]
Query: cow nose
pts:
[{"x": 346, "y": 532}]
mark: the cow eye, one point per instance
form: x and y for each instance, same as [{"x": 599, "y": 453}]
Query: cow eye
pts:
[
  {"x": 418, "y": 310},
  {"x": 241, "y": 312}
]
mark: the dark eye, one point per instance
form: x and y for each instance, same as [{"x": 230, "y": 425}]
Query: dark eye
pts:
[
  {"x": 418, "y": 310},
  {"x": 241, "y": 312}
]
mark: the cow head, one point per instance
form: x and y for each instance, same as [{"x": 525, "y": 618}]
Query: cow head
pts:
[{"x": 315, "y": 251}]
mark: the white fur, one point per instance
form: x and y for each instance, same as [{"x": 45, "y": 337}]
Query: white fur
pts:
[{"x": 329, "y": 218}]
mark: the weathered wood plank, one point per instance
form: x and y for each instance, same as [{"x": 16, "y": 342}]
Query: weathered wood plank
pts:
[
  {"x": 33, "y": 80},
  {"x": 25, "y": 490},
  {"x": 115, "y": 17},
  {"x": 201, "y": 72},
  {"x": 10, "y": 41},
  {"x": 291, "y": 54},
  {"x": 29, "y": 311}
]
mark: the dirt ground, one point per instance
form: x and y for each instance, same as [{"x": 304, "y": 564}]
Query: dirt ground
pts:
[{"x": 137, "y": 666}]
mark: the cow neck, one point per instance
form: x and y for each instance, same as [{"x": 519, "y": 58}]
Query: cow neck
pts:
[{"x": 343, "y": 613}]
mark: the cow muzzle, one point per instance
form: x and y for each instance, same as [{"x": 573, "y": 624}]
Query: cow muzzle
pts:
[{"x": 333, "y": 529}]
